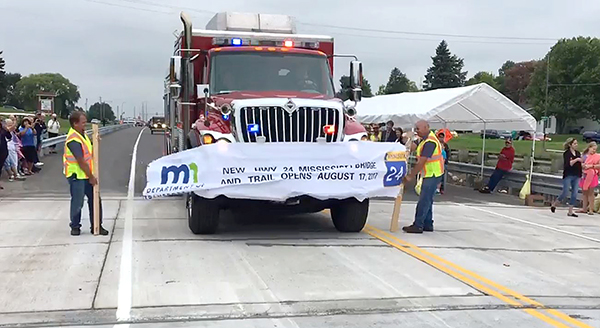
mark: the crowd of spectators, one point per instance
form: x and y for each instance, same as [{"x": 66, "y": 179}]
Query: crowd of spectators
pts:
[{"x": 21, "y": 144}]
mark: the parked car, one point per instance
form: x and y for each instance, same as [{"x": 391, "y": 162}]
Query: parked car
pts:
[
  {"x": 591, "y": 136},
  {"x": 506, "y": 135},
  {"x": 490, "y": 134},
  {"x": 13, "y": 108},
  {"x": 539, "y": 136},
  {"x": 95, "y": 121}
]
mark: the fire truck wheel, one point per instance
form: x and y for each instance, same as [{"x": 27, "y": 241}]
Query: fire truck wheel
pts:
[
  {"x": 350, "y": 215},
  {"x": 203, "y": 215}
]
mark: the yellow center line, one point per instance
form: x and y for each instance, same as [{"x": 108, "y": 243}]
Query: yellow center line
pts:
[{"x": 428, "y": 257}]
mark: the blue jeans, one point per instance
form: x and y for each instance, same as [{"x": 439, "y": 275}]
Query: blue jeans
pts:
[
  {"x": 80, "y": 189},
  {"x": 424, "y": 212},
  {"x": 573, "y": 183},
  {"x": 495, "y": 178}
]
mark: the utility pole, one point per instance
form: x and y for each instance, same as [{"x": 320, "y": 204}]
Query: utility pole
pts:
[
  {"x": 86, "y": 107},
  {"x": 546, "y": 118},
  {"x": 134, "y": 117},
  {"x": 101, "y": 109},
  {"x": 117, "y": 111}
]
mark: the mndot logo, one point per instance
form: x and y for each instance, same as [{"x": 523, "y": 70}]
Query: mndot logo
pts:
[
  {"x": 395, "y": 162},
  {"x": 177, "y": 171}
]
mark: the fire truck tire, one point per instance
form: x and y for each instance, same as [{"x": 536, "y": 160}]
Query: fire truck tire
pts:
[
  {"x": 350, "y": 215},
  {"x": 203, "y": 215}
]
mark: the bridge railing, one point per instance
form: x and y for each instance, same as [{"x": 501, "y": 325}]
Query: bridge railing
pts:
[
  {"x": 545, "y": 184},
  {"x": 60, "y": 140}
]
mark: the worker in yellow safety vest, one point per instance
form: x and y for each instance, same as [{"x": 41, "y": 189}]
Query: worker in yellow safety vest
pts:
[
  {"x": 430, "y": 163},
  {"x": 78, "y": 167}
]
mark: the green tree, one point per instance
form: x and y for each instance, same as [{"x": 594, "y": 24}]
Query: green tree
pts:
[
  {"x": 381, "y": 90},
  {"x": 10, "y": 85},
  {"x": 397, "y": 82},
  {"x": 345, "y": 87},
  {"x": 446, "y": 71},
  {"x": 67, "y": 93},
  {"x": 101, "y": 111},
  {"x": 574, "y": 73},
  {"x": 412, "y": 87},
  {"x": 483, "y": 77}
]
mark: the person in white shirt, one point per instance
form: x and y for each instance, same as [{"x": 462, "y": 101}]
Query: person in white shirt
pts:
[{"x": 53, "y": 127}]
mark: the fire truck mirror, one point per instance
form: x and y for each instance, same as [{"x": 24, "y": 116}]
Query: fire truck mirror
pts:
[
  {"x": 356, "y": 94},
  {"x": 355, "y": 74},
  {"x": 175, "y": 69},
  {"x": 174, "y": 89}
]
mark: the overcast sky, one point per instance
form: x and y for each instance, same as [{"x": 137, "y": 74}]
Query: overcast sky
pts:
[{"x": 119, "y": 49}]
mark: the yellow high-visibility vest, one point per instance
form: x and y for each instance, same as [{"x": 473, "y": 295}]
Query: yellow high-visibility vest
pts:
[
  {"x": 70, "y": 165},
  {"x": 434, "y": 167}
]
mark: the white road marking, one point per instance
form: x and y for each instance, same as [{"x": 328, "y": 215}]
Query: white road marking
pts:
[
  {"x": 531, "y": 223},
  {"x": 124, "y": 296}
]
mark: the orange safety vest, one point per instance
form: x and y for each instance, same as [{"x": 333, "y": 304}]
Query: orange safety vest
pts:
[
  {"x": 70, "y": 162},
  {"x": 434, "y": 167}
]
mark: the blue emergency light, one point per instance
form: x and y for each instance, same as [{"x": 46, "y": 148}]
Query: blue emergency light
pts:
[
  {"x": 226, "y": 117},
  {"x": 253, "y": 128},
  {"x": 236, "y": 42}
]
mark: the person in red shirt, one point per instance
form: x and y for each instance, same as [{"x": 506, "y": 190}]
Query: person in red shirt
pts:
[{"x": 505, "y": 162}]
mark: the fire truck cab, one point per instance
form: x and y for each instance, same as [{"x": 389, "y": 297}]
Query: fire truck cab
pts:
[{"x": 250, "y": 78}]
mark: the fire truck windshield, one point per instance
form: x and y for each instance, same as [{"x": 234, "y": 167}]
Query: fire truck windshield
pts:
[{"x": 269, "y": 71}]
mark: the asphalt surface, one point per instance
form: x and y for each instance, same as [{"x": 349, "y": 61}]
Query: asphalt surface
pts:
[{"x": 490, "y": 262}]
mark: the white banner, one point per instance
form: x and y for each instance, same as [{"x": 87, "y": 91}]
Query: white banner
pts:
[{"x": 279, "y": 171}]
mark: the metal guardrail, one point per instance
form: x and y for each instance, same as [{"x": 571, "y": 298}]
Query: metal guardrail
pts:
[
  {"x": 62, "y": 138},
  {"x": 546, "y": 184}
]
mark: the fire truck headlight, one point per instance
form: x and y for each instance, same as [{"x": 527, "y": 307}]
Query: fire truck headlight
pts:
[
  {"x": 223, "y": 140},
  {"x": 364, "y": 138},
  {"x": 164, "y": 126},
  {"x": 155, "y": 125}
]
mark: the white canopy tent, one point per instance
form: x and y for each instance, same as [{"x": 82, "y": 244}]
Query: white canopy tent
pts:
[{"x": 476, "y": 107}]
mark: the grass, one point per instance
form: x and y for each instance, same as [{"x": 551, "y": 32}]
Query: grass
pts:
[{"x": 474, "y": 142}]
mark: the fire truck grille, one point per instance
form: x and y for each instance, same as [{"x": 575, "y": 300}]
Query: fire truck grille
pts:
[{"x": 305, "y": 124}]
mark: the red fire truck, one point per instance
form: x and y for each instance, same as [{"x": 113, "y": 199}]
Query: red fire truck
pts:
[{"x": 251, "y": 78}]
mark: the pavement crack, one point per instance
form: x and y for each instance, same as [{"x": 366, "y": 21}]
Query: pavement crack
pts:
[
  {"x": 502, "y": 249},
  {"x": 316, "y": 245},
  {"x": 112, "y": 233}
]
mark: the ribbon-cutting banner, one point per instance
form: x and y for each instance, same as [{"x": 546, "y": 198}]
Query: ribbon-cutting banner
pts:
[{"x": 279, "y": 171}]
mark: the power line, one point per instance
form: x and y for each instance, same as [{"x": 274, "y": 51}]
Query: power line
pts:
[
  {"x": 437, "y": 40},
  {"x": 129, "y": 7},
  {"x": 171, "y": 7},
  {"x": 430, "y": 34}
]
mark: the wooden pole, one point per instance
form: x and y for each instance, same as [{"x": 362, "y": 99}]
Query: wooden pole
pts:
[
  {"x": 398, "y": 202},
  {"x": 397, "y": 206},
  {"x": 96, "y": 170}
]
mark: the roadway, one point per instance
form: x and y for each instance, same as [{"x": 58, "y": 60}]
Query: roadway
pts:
[{"x": 490, "y": 263}]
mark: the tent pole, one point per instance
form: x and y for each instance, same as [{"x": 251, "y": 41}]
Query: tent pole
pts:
[
  {"x": 483, "y": 150},
  {"x": 532, "y": 158}
]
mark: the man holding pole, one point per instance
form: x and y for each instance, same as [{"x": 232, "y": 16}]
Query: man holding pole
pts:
[
  {"x": 78, "y": 167},
  {"x": 430, "y": 163}
]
